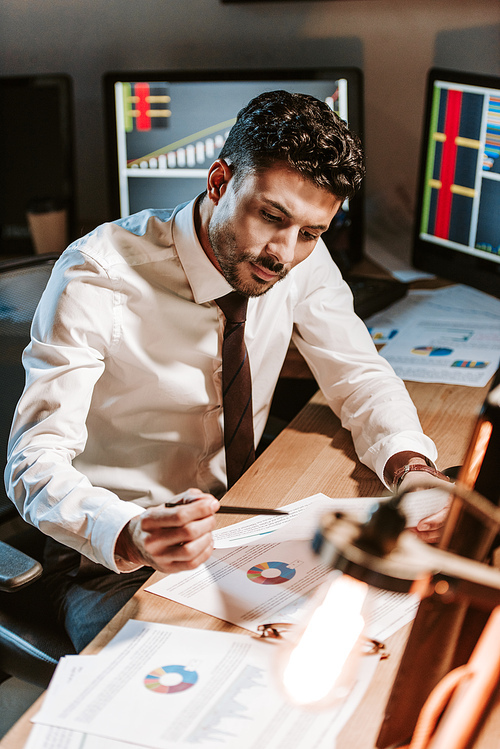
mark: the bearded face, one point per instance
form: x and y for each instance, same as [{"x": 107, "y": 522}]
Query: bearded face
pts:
[{"x": 265, "y": 224}]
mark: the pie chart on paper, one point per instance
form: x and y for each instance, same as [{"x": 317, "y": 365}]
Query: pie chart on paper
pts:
[
  {"x": 170, "y": 679},
  {"x": 271, "y": 573}
]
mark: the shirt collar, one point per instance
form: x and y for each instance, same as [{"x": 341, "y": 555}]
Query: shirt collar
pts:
[{"x": 207, "y": 283}]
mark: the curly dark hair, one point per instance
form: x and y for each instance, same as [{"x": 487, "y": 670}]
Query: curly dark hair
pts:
[{"x": 301, "y": 131}]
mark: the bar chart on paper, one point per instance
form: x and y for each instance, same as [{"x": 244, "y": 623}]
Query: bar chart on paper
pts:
[{"x": 232, "y": 706}]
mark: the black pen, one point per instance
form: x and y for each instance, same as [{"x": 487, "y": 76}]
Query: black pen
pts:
[{"x": 228, "y": 510}]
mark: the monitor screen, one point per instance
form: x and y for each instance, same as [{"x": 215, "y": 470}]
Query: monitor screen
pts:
[
  {"x": 36, "y": 155},
  {"x": 165, "y": 129},
  {"x": 457, "y": 231}
]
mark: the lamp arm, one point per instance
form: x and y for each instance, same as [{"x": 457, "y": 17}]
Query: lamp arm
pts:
[{"x": 341, "y": 544}]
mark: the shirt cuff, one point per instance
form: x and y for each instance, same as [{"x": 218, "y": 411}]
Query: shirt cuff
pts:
[
  {"x": 123, "y": 566},
  {"x": 108, "y": 526}
]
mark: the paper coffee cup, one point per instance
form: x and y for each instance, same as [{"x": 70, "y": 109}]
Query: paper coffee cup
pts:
[{"x": 48, "y": 225}]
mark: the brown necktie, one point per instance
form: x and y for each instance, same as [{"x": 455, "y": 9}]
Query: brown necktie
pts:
[{"x": 236, "y": 388}]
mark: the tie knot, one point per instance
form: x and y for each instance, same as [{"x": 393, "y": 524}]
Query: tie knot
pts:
[{"x": 234, "y": 306}]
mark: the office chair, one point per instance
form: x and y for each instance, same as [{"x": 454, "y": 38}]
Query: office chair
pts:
[{"x": 31, "y": 639}]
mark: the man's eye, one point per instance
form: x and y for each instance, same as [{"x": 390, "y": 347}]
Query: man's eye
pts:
[
  {"x": 310, "y": 237},
  {"x": 271, "y": 217}
]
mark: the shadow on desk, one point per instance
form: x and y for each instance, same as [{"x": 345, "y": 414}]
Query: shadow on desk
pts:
[
  {"x": 321, "y": 420},
  {"x": 290, "y": 396}
]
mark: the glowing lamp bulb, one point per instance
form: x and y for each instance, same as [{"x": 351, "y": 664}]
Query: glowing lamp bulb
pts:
[{"x": 320, "y": 665}]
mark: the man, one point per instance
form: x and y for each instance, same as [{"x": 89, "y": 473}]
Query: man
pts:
[{"x": 122, "y": 409}]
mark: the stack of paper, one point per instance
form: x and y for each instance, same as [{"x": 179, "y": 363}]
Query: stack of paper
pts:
[{"x": 160, "y": 686}]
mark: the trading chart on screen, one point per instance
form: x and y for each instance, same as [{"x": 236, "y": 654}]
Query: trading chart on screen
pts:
[
  {"x": 169, "y": 133},
  {"x": 461, "y": 197}
]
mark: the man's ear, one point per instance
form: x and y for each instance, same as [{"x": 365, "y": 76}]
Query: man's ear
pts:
[{"x": 219, "y": 175}]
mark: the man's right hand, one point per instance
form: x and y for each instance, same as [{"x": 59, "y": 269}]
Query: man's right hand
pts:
[{"x": 171, "y": 539}]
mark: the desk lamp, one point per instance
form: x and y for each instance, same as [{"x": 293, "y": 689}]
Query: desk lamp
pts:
[
  {"x": 319, "y": 664},
  {"x": 458, "y": 587}
]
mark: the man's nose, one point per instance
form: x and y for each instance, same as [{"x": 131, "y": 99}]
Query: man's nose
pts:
[{"x": 282, "y": 246}]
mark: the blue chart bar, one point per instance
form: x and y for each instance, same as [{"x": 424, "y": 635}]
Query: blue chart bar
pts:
[{"x": 492, "y": 145}]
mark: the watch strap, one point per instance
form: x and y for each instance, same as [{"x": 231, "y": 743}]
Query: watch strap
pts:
[{"x": 409, "y": 467}]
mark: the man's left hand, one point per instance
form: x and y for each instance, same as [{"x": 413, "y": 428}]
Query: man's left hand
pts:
[{"x": 428, "y": 529}]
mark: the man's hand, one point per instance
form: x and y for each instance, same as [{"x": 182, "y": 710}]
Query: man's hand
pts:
[
  {"x": 171, "y": 539},
  {"x": 428, "y": 529}
]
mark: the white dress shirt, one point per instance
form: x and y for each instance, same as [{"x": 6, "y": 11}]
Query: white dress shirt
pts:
[{"x": 122, "y": 404}]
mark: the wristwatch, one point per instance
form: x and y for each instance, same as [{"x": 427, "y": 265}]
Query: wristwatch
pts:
[{"x": 404, "y": 470}]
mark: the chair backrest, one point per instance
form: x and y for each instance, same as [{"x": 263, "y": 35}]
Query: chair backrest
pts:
[
  {"x": 22, "y": 282},
  {"x": 31, "y": 638}
]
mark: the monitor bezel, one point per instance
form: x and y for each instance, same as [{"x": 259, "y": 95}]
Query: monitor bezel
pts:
[
  {"x": 345, "y": 257},
  {"x": 447, "y": 262}
]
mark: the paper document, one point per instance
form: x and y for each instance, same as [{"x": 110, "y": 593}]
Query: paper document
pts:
[
  {"x": 179, "y": 687},
  {"x": 304, "y": 517},
  {"x": 272, "y": 577},
  {"x": 300, "y": 523},
  {"x": 449, "y": 335},
  {"x": 69, "y": 670},
  {"x": 446, "y": 351}
]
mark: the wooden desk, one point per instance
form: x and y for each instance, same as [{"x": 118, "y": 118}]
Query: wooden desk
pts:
[{"x": 314, "y": 454}]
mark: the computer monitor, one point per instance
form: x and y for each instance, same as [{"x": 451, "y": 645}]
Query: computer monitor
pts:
[
  {"x": 36, "y": 155},
  {"x": 457, "y": 231},
  {"x": 165, "y": 128}
]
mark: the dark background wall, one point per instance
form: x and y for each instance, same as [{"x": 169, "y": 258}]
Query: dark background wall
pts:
[{"x": 395, "y": 42}]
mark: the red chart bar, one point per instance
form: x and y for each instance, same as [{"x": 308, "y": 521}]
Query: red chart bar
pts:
[
  {"x": 448, "y": 163},
  {"x": 143, "y": 120}
]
